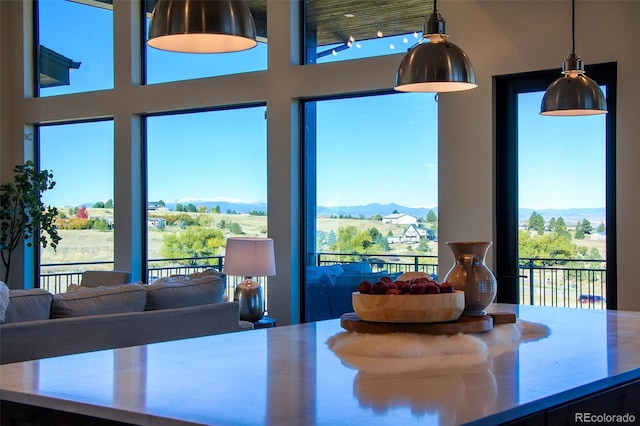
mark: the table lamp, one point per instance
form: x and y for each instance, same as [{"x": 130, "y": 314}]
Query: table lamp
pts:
[{"x": 249, "y": 257}]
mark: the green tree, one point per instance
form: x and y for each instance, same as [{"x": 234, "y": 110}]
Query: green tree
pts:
[
  {"x": 382, "y": 242},
  {"x": 236, "y": 228},
  {"x": 98, "y": 205},
  {"x": 579, "y": 234},
  {"x": 98, "y": 224},
  {"x": 375, "y": 234},
  {"x": 561, "y": 228},
  {"x": 192, "y": 242},
  {"x": 350, "y": 240},
  {"x": 23, "y": 216},
  {"x": 431, "y": 217},
  {"x": 331, "y": 238},
  {"x": 190, "y": 208},
  {"x": 423, "y": 246},
  {"x": 586, "y": 226},
  {"x": 601, "y": 228},
  {"x": 179, "y": 219},
  {"x": 109, "y": 204},
  {"x": 160, "y": 203},
  {"x": 179, "y": 207},
  {"x": 215, "y": 209},
  {"x": 552, "y": 224},
  {"x": 203, "y": 220},
  {"x": 536, "y": 223},
  {"x": 549, "y": 245},
  {"x": 202, "y": 209}
]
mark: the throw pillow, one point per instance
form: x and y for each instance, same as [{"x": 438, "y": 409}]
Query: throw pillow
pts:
[
  {"x": 99, "y": 301},
  {"x": 28, "y": 305},
  {"x": 180, "y": 292},
  {"x": 4, "y": 300}
]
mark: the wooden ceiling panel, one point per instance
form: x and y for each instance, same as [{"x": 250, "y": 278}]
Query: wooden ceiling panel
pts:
[{"x": 326, "y": 18}]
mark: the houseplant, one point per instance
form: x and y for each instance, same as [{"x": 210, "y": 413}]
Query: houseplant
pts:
[{"x": 23, "y": 216}]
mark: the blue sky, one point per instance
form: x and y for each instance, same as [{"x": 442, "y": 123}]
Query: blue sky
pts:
[{"x": 361, "y": 141}]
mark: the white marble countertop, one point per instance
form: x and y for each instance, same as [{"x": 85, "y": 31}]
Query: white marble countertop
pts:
[{"x": 288, "y": 375}]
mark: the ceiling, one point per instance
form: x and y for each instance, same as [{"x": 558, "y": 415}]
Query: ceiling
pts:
[{"x": 334, "y": 21}]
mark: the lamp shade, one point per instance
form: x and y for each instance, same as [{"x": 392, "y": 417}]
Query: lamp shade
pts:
[
  {"x": 435, "y": 65},
  {"x": 202, "y": 26},
  {"x": 249, "y": 257},
  {"x": 573, "y": 95}
]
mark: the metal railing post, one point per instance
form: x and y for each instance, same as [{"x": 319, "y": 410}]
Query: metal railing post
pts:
[{"x": 531, "y": 281}]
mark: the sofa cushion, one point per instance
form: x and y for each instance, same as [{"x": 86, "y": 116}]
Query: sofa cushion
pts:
[
  {"x": 331, "y": 270},
  {"x": 353, "y": 279},
  {"x": 99, "y": 301},
  {"x": 28, "y": 305},
  {"x": 359, "y": 267},
  {"x": 184, "y": 291}
]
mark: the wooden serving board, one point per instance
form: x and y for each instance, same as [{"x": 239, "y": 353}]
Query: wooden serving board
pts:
[{"x": 465, "y": 324}]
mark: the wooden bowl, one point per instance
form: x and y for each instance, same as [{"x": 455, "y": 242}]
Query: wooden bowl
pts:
[{"x": 408, "y": 307}]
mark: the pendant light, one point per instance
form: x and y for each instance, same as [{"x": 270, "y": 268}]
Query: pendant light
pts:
[
  {"x": 574, "y": 93},
  {"x": 435, "y": 64},
  {"x": 202, "y": 26}
]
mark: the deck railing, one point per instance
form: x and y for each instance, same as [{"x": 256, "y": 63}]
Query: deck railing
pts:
[
  {"x": 570, "y": 283},
  {"x": 56, "y": 277},
  {"x": 573, "y": 283}
]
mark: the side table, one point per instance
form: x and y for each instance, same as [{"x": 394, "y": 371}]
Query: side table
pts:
[{"x": 265, "y": 322}]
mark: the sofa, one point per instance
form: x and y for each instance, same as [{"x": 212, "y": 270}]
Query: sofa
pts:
[
  {"x": 329, "y": 287},
  {"x": 38, "y": 324}
]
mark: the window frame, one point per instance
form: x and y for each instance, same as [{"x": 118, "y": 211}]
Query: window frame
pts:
[{"x": 505, "y": 91}]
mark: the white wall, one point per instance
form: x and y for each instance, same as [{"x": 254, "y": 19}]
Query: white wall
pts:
[
  {"x": 510, "y": 37},
  {"x": 501, "y": 37}
]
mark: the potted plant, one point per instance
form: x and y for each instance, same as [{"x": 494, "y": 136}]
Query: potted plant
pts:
[{"x": 23, "y": 216}]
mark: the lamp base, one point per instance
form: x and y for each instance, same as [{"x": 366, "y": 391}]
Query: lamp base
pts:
[{"x": 251, "y": 300}]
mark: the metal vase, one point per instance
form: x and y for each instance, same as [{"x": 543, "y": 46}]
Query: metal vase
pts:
[
  {"x": 251, "y": 300},
  {"x": 471, "y": 275}
]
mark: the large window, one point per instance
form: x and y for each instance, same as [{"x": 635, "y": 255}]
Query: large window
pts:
[
  {"x": 80, "y": 156},
  {"x": 555, "y": 197},
  {"x": 362, "y": 29},
  {"x": 75, "y": 46},
  {"x": 372, "y": 191},
  {"x": 163, "y": 66},
  {"x": 206, "y": 180}
]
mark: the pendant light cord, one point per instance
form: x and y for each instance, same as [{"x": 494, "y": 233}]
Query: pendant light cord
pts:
[{"x": 573, "y": 26}]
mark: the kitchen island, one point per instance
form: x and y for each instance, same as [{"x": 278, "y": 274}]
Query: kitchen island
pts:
[{"x": 588, "y": 365}]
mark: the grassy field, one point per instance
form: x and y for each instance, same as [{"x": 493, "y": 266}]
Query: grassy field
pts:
[{"x": 90, "y": 245}]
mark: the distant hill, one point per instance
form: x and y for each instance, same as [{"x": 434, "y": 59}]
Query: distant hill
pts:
[
  {"x": 371, "y": 210},
  {"x": 595, "y": 215},
  {"x": 570, "y": 216},
  {"x": 225, "y": 206}
]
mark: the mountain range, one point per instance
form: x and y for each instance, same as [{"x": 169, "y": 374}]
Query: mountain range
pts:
[{"x": 595, "y": 215}]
